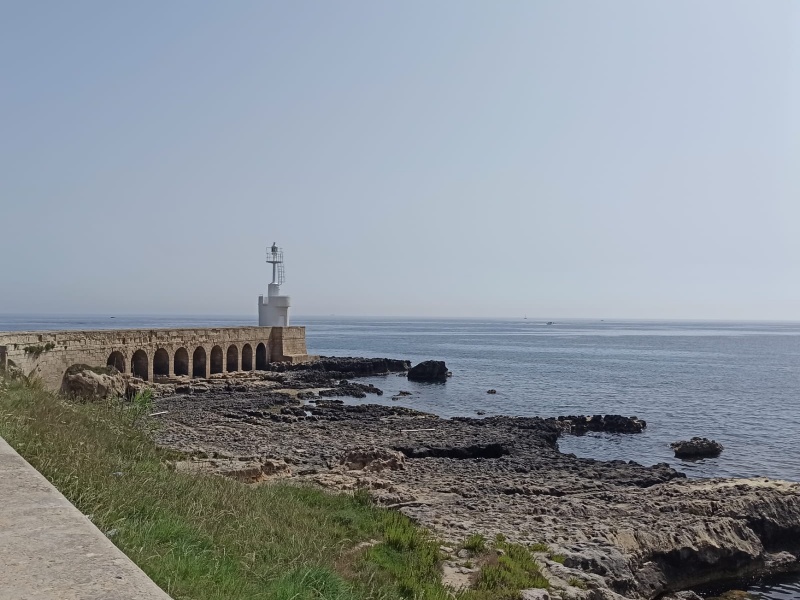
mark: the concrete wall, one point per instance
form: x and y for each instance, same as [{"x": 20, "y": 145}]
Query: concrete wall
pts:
[
  {"x": 50, "y": 551},
  {"x": 145, "y": 352},
  {"x": 274, "y": 310}
]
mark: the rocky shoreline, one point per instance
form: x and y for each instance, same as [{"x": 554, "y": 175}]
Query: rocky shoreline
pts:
[{"x": 612, "y": 529}]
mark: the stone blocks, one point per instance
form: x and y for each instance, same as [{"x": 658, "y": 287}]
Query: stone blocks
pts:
[{"x": 48, "y": 354}]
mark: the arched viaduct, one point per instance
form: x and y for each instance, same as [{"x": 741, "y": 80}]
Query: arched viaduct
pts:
[{"x": 152, "y": 353}]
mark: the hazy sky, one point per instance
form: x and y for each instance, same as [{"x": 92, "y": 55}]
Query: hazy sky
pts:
[{"x": 443, "y": 158}]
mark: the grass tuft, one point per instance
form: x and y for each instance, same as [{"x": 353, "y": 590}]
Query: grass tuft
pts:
[
  {"x": 539, "y": 547},
  {"x": 576, "y": 582},
  {"x": 475, "y": 543},
  {"x": 513, "y": 570}
]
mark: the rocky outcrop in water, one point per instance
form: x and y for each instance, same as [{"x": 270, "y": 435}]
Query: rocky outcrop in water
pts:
[
  {"x": 697, "y": 447},
  {"x": 434, "y": 371},
  {"x": 601, "y": 423},
  {"x": 346, "y": 367}
]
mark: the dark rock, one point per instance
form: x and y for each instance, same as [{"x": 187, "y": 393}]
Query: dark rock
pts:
[
  {"x": 283, "y": 418},
  {"x": 601, "y": 423},
  {"x": 429, "y": 370},
  {"x": 696, "y": 447},
  {"x": 490, "y": 450},
  {"x": 329, "y": 403},
  {"x": 491, "y": 391},
  {"x": 337, "y": 366},
  {"x": 353, "y": 390}
]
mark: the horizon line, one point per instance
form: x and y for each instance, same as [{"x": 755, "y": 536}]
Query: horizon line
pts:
[{"x": 404, "y": 317}]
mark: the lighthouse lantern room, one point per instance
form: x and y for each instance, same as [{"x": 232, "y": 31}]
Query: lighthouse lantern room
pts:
[{"x": 274, "y": 310}]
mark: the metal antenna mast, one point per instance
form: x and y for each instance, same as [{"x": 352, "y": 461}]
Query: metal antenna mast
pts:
[{"x": 275, "y": 258}]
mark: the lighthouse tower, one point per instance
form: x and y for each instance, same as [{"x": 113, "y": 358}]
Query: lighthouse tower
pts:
[{"x": 274, "y": 310}]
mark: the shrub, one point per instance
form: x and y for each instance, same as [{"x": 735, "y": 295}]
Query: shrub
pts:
[{"x": 38, "y": 349}]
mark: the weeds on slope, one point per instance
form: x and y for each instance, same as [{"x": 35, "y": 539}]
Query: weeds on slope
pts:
[{"x": 211, "y": 538}]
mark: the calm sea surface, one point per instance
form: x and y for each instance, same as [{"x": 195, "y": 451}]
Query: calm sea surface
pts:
[{"x": 736, "y": 382}]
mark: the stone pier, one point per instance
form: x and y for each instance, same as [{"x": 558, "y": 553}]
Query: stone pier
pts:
[{"x": 152, "y": 353}]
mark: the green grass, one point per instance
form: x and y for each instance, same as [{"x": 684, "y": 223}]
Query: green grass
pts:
[
  {"x": 539, "y": 547},
  {"x": 211, "y": 538},
  {"x": 409, "y": 557},
  {"x": 578, "y": 583},
  {"x": 475, "y": 543},
  {"x": 509, "y": 572}
]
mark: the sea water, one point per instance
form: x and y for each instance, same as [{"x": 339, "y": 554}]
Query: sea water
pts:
[
  {"x": 735, "y": 382},
  {"x": 738, "y": 383}
]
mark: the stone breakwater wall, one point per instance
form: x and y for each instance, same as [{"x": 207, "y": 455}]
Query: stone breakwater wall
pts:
[{"x": 152, "y": 354}]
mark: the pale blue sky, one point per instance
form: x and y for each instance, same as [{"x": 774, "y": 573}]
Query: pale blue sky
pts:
[{"x": 555, "y": 159}]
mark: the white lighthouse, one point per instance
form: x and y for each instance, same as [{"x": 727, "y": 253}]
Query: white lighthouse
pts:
[{"x": 274, "y": 310}]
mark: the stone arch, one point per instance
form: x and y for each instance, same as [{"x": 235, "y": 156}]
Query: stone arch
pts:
[
  {"x": 247, "y": 357},
  {"x": 216, "y": 360},
  {"x": 181, "y": 362},
  {"x": 232, "y": 358},
  {"x": 161, "y": 363},
  {"x": 116, "y": 360},
  {"x": 139, "y": 364},
  {"x": 261, "y": 357},
  {"x": 199, "y": 362}
]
